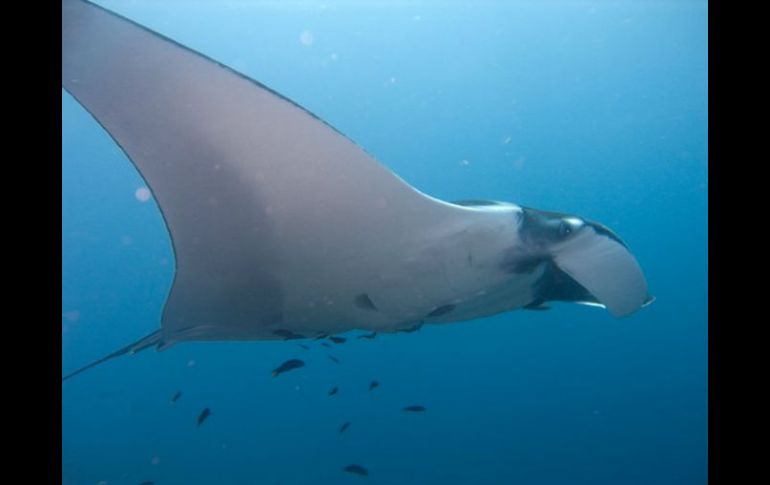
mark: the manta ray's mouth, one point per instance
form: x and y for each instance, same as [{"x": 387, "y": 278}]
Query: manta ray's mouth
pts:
[
  {"x": 585, "y": 262},
  {"x": 604, "y": 266},
  {"x": 556, "y": 285}
]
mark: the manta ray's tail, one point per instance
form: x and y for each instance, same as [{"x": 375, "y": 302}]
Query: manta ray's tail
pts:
[{"x": 155, "y": 338}]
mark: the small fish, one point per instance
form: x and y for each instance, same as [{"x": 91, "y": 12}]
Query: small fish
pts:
[
  {"x": 203, "y": 415},
  {"x": 334, "y": 359},
  {"x": 357, "y": 469},
  {"x": 414, "y": 409},
  {"x": 338, "y": 340},
  {"x": 176, "y": 396},
  {"x": 333, "y": 391},
  {"x": 368, "y": 335},
  {"x": 322, "y": 336},
  {"x": 145, "y": 483},
  {"x": 373, "y": 384},
  {"x": 345, "y": 426},
  {"x": 304, "y": 346},
  {"x": 287, "y": 366},
  {"x": 325, "y": 344}
]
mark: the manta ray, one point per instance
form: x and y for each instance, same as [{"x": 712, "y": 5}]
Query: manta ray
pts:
[{"x": 282, "y": 227}]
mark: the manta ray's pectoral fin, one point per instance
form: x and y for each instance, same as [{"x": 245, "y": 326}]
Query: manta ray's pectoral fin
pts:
[
  {"x": 256, "y": 191},
  {"x": 155, "y": 338}
]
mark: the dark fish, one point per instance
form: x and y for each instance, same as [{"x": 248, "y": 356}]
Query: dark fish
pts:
[
  {"x": 147, "y": 483},
  {"x": 333, "y": 391},
  {"x": 357, "y": 469},
  {"x": 304, "y": 346},
  {"x": 287, "y": 334},
  {"x": 338, "y": 340},
  {"x": 373, "y": 385},
  {"x": 203, "y": 415},
  {"x": 176, "y": 396},
  {"x": 345, "y": 426},
  {"x": 325, "y": 344},
  {"x": 368, "y": 335},
  {"x": 334, "y": 359},
  {"x": 323, "y": 335},
  {"x": 287, "y": 366},
  {"x": 414, "y": 409}
]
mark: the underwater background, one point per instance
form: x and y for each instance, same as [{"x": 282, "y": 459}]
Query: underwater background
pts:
[{"x": 593, "y": 108}]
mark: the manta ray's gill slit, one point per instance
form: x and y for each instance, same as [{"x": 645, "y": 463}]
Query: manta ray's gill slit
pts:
[
  {"x": 442, "y": 310},
  {"x": 364, "y": 302}
]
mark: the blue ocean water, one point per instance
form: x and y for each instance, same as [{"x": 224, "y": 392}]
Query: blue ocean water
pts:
[{"x": 594, "y": 108}]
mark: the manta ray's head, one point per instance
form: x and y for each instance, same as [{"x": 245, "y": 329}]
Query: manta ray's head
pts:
[{"x": 584, "y": 262}]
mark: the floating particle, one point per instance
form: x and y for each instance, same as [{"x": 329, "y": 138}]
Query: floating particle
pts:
[
  {"x": 306, "y": 38},
  {"x": 142, "y": 194},
  {"x": 71, "y": 316}
]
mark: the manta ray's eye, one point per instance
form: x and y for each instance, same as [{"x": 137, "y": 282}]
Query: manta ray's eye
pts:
[{"x": 568, "y": 226}]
